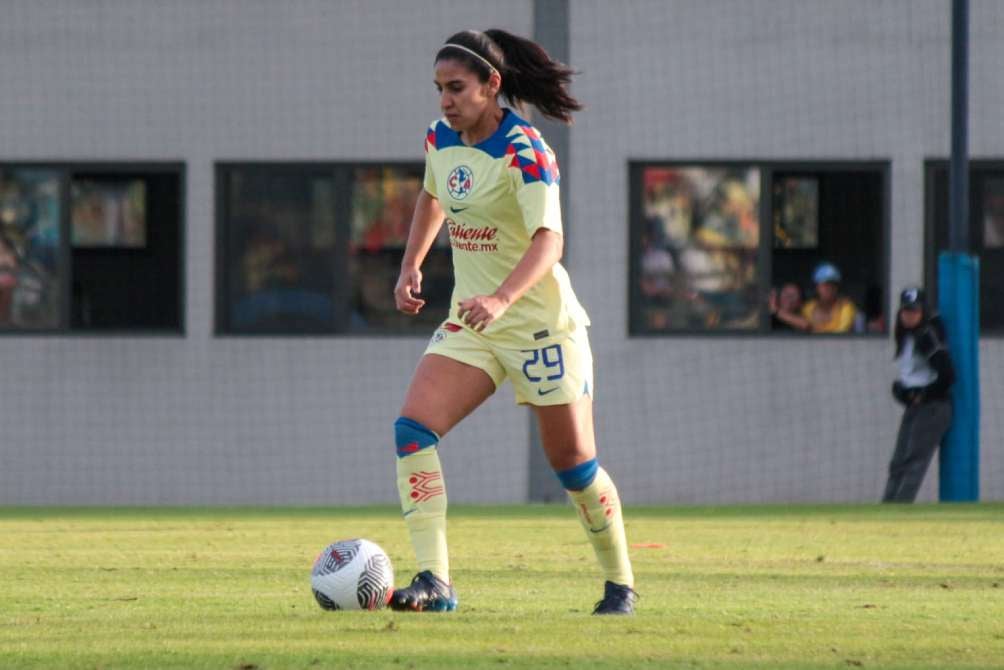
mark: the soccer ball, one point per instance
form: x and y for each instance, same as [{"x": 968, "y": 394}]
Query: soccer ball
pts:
[{"x": 352, "y": 575}]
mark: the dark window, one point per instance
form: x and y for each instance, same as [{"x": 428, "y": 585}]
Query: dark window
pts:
[
  {"x": 90, "y": 248},
  {"x": 710, "y": 242},
  {"x": 126, "y": 250},
  {"x": 317, "y": 248},
  {"x": 986, "y": 233},
  {"x": 279, "y": 250},
  {"x": 840, "y": 217}
]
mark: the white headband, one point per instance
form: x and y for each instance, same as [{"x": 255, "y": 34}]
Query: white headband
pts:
[{"x": 473, "y": 53}]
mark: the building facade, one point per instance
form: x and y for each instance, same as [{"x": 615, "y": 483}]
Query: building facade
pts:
[{"x": 306, "y": 113}]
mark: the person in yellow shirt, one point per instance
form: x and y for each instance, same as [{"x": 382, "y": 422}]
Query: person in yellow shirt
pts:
[
  {"x": 492, "y": 179},
  {"x": 829, "y": 311}
]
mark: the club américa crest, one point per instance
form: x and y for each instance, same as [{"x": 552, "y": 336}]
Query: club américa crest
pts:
[
  {"x": 460, "y": 182},
  {"x": 443, "y": 331}
]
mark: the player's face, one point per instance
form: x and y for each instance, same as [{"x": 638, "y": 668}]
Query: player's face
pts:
[{"x": 463, "y": 98}]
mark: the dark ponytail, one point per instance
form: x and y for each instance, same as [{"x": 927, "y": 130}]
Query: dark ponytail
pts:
[{"x": 528, "y": 73}]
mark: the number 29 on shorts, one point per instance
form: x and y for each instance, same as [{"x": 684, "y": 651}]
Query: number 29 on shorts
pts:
[{"x": 546, "y": 363}]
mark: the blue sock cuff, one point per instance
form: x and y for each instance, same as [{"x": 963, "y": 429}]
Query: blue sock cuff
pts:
[
  {"x": 579, "y": 477},
  {"x": 411, "y": 437}
]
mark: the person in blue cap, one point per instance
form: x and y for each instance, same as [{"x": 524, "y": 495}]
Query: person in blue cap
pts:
[
  {"x": 829, "y": 311},
  {"x": 922, "y": 387}
]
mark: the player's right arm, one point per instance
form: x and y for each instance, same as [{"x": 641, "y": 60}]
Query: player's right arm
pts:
[{"x": 425, "y": 225}]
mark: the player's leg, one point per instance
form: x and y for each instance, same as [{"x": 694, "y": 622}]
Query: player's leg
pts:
[
  {"x": 442, "y": 392},
  {"x": 557, "y": 379},
  {"x": 566, "y": 433}
]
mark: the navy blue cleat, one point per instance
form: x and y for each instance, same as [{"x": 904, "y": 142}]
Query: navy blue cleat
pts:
[
  {"x": 427, "y": 593},
  {"x": 617, "y": 599}
]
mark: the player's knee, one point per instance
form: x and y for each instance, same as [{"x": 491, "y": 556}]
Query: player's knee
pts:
[
  {"x": 410, "y": 436},
  {"x": 580, "y": 476}
]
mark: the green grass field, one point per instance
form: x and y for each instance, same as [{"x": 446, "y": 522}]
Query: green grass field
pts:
[{"x": 730, "y": 587}]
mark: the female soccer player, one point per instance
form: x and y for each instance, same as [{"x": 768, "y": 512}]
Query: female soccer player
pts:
[{"x": 514, "y": 316}]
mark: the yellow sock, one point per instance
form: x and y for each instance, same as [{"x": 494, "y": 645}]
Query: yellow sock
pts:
[
  {"x": 423, "y": 501},
  {"x": 599, "y": 509}
]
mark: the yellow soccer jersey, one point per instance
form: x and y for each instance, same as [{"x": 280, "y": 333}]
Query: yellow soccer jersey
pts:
[{"x": 496, "y": 195}]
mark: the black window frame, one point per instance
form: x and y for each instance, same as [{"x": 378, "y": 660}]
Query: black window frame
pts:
[
  {"x": 768, "y": 168},
  {"x": 67, "y": 170},
  {"x": 341, "y": 173},
  {"x": 976, "y": 247}
]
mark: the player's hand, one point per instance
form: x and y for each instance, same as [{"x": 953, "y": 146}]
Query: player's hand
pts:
[
  {"x": 481, "y": 311},
  {"x": 409, "y": 285}
]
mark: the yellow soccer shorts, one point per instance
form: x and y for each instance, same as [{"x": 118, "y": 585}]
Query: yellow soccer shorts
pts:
[{"x": 557, "y": 370}]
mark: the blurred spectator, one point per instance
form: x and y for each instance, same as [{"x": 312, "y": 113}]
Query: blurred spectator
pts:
[
  {"x": 829, "y": 311},
  {"x": 786, "y": 308},
  {"x": 925, "y": 377}
]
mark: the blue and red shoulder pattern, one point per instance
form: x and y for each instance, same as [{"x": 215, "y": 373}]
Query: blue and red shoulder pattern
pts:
[
  {"x": 527, "y": 151},
  {"x": 515, "y": 140},
  {"x": 441, "y": 136},
  {"x": 430, "y": 137}
]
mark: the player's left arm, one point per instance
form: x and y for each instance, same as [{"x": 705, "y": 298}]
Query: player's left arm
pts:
[{"x": 544, "y": 251}]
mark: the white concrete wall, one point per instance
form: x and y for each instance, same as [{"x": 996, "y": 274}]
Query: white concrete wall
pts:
[
  {"x": 203, "y": 419},
  {"x": 200, "y": 419}
]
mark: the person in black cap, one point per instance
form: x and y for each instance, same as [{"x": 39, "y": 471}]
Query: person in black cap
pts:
[{"x": 925, "y": 377}]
